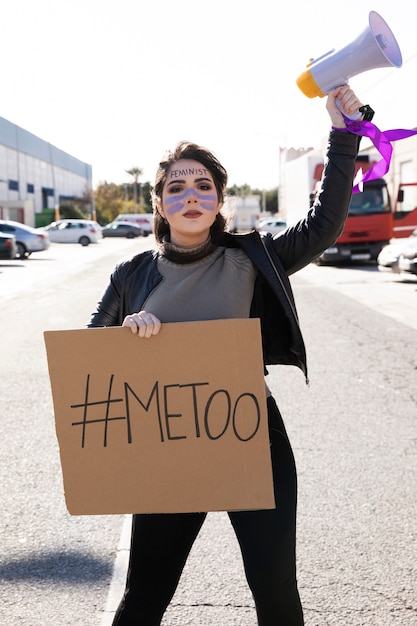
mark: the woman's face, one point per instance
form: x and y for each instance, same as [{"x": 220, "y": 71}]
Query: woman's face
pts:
[{"x": 189, "y": 202}]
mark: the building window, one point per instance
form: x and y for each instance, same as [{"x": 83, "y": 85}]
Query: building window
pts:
[
  {"x": 14, "y": 185},
  {"x": 30, "y": 188},
  {"x": 46, "y": 194}
]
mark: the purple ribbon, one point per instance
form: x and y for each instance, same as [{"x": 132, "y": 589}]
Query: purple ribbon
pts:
[{"x": 382, "y": 142}]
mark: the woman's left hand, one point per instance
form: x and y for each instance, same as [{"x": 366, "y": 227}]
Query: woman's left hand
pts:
[{"x": 143, "y": 324}]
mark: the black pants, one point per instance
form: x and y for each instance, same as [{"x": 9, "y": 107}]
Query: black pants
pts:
[{"x": 161, "y": 544}]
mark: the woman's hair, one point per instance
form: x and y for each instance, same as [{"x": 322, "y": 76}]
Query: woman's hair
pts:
[{"x": 188, "y": 150}]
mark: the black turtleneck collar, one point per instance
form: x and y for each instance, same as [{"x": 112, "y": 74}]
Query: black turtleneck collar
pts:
[{"x": 178, "y": 254}]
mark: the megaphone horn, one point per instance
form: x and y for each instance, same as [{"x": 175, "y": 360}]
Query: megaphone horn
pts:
[{"x": 375, "y": 47}]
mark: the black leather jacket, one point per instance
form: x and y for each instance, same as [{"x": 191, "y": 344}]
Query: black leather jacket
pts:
[{"x": 275, "y": 258}]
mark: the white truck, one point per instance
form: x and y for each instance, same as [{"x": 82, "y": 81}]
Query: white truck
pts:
[
  {"x": 245, "y": 211},
  {"x": 300, "y": 180}
]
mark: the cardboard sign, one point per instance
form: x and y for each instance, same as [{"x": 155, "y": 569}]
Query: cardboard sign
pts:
[{"x": 173, "y": 423}]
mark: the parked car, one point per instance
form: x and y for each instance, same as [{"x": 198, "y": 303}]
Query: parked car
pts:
[
  {"x": 8, "y": 247},
  {"x": 143, "y": 220},
  {"x": 28, "y": 239},
  {"x": 407, "y": 261},
  {"x": 74, "y": 231},
  {"x": 273, "y": 226},
  {"x": 389, "y": 256},
  {"x": 121, "y": 229}
]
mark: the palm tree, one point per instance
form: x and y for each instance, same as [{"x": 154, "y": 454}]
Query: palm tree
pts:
[{"x": 136, "y": 172}]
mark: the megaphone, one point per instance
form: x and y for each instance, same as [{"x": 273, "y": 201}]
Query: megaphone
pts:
[{"x": 375, "y": 47}]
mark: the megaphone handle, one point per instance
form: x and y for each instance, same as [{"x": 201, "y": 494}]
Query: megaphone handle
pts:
[{"x": 354, "y": 116}]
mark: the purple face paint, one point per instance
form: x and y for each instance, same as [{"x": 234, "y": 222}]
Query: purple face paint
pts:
[{"x": 207, "y": 202}]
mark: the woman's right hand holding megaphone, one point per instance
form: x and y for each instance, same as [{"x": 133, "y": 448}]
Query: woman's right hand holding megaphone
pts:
[{"x": 343, "y": 100}]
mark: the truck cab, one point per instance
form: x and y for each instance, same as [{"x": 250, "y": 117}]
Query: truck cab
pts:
[{"x": 368, "y": 227}]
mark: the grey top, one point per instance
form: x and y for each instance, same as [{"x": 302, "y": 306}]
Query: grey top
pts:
[{"x": 218, "y": 286}]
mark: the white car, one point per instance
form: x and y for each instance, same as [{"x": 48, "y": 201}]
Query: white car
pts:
[
  {"x": 389, "y": 256},
  {"x": 28, "y": 239},
  {"x": 74, "y": 231},
  {"x": 407, "y": 261},
  {"x": 273, "y": 226}
]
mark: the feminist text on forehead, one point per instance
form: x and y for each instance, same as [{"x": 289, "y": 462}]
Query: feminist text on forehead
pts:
[{"x": 188, "y": 171}]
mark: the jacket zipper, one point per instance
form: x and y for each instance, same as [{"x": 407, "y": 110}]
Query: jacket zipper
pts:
[{"x": 286, "y": 293}]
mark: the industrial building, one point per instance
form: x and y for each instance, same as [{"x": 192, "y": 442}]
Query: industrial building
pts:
[{"x": 36, "y": 178}]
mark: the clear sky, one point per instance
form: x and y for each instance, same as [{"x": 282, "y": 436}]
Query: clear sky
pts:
[{"x": 117, "y": 83}]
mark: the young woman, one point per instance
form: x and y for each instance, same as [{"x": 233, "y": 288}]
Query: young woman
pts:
[{"x": 201, "y": 272}]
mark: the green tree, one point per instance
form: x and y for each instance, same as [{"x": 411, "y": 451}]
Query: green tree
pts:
[
  {"x": 270, "y": 198},
  {"x": 239, "y": 190},
  {"x": 109, "y": 202},
  {"x": 146, "y": 190},
  {"x": 136, "y": 173}
]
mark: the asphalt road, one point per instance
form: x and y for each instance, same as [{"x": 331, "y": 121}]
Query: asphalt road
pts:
[{"x": 353, "y": 432}]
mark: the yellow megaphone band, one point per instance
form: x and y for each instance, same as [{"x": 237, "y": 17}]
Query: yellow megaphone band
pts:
[{"x": 308, "y": 85}]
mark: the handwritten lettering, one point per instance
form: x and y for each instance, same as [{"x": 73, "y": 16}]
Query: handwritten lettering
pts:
[
  {"x": 189, "y": 171},
  {"x": 173, "y": 412}
]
